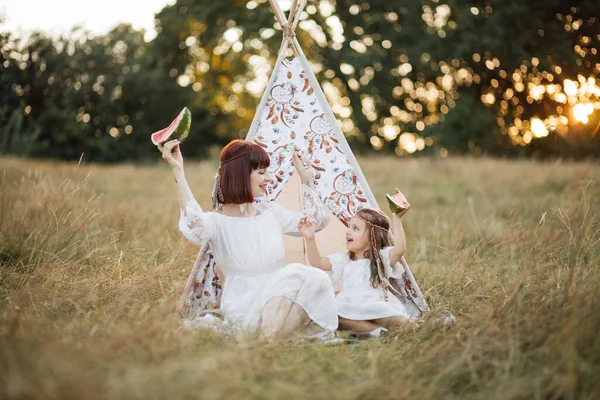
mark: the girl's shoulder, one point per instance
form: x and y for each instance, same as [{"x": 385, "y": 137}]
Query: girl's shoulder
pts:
[
  {"x": 338, "y": 263},
  {"x": 385, "y": 254},
  {"x": 340, "y": 256},
  {"x": 339, "y": 259},
  {"x": 386, "y": 249},
  {"x": 396, "y": 270}
]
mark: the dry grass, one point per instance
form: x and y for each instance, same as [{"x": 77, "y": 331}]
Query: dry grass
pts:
[{"x": 91, "y": 266}]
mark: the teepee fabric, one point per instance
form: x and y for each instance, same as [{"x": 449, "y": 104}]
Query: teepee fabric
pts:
[
  {"x": 294, "y": 115},
  {"x": 293, "y": 119}
]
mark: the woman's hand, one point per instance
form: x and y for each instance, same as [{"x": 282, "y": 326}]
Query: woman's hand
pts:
[
  {"x": 302, "y": 166},
  {"x": 306, "y": 228},
  {"x": 171, "y": 153}
]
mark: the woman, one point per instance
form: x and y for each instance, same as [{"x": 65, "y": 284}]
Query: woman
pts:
[{"x": 260, "y": 292}]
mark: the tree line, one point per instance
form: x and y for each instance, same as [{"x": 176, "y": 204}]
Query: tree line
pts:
[{"x": 503, "y": 78}]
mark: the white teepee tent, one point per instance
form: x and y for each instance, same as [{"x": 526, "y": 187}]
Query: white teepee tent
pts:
[{"x": 294, "y": 115}]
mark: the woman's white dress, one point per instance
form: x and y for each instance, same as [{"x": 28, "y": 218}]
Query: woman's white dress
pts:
[
  {"x": 250, "y": 253},
  {"x": 357, "y": 299}
]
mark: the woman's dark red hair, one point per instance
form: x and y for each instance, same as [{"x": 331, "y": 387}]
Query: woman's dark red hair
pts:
[{"x": 238, "y": 159}]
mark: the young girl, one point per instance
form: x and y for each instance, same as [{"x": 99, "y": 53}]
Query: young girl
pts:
[{"x": 366, "y": 301}]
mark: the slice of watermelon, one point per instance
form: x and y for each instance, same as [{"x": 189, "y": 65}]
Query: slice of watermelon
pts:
[
  {"x": 178, "y": 129},
  {"x": 397, "y": 202}
]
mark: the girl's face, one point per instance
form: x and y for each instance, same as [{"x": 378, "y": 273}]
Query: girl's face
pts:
[
  {"x": 259, "y": 181},
  {"x": 357, "y": 237}
]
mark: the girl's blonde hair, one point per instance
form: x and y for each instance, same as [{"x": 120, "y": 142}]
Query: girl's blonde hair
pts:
[{"x": 378, "y": 229}]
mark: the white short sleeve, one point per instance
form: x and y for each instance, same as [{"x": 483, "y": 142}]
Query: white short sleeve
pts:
[
  {"x": 288, "y": 220},
  {"x": 392, "y": 271},
  {"x": 312, "y": 208},
  {"x": 338, "y": 262}
]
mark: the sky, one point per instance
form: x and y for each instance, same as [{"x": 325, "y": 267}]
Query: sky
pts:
[{"x": 59, "y": 16}]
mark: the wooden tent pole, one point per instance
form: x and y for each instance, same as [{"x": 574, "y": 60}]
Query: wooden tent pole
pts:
[
  {"x": 285, "y": 25},
  {"x": 294, "y": 20},
  {"x": 292, "y": 11},
  {"x": 297, "y": 15},
  {"x": 278, "y": 13}
]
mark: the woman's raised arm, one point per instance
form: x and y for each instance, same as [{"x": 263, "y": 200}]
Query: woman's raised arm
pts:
[
  {"x": 312, "y": 206},
  {"x": 194, "y": 223},
  {"x": 171, "y": 153}
]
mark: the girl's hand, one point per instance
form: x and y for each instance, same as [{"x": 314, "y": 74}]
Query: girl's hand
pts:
[
  {"x": 401, "y": 213},
  {"x": 306, "y": 228},
  {"x": 398, "y": 203},
  {"x": 171, "y": 153},
  {"x": 302, "y": 166}
]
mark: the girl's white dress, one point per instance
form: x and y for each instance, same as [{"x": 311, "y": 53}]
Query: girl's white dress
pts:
[
  {"x": 250, "y": 253},
  {"x": 357, "y": 299}
]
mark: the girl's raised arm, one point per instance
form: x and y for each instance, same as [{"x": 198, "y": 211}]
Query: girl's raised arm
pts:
[
  {"x": 307, "y": 229},
  {"x": 397, "y": 252}
]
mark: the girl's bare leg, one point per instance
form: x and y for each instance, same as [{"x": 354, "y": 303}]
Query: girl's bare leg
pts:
[
  {"x": 356, "y": 325},
  {"x": 391, "y": 323}
]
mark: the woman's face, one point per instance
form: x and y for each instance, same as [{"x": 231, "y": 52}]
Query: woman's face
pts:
[
  {"x": 259, "y": 181},
  {"x": 357, "y": 237}
]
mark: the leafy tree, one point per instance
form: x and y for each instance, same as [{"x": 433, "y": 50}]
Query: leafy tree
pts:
[
  {"x": 441, "y": 76},
  {"x": 101, "y": 96}
]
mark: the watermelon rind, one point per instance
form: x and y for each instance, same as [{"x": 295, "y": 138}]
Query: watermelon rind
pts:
[
  {"x": 179, "y": 129},
  {"x": 394, "y": 207}
]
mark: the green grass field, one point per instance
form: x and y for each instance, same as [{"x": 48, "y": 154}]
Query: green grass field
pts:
[{"x": 92, "y": 265}]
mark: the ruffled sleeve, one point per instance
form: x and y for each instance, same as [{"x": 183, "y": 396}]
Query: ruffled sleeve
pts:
[
  {"x": 312, "y": 208},
  {"x": 338, "y": 262},
  {"x": 196, "y": 225},
  {"x": 392, "y": 271}
]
